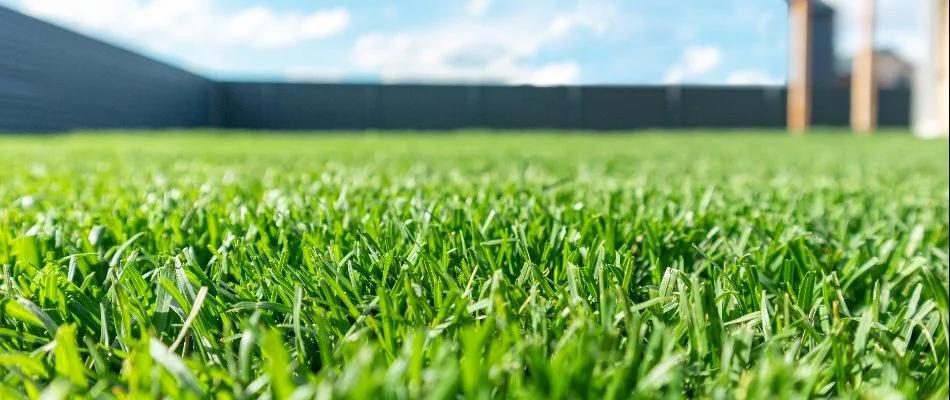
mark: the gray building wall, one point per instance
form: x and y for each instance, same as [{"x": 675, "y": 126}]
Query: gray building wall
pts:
[
  {"x": 53, "y": 79},
  {"x": 824, "y": 73}
]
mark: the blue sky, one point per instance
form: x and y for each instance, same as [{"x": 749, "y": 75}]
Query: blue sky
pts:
[{"x": 512, "y": 41}]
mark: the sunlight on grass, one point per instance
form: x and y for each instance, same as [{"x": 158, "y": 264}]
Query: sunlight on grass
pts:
[{"x": 475, "y": 264}]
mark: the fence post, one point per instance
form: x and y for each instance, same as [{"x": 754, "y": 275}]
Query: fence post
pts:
[
  {"x": 473, "y": 106},
  {"x": 799, "y": 72},
  {"x": 864, "y": 96},
  {"x": 771, "y": 107},
  {"x": 262, "y": 107},
  {"x": 674, "y": 106},
  {"x": 370, "y": 105},
  {"x": 575, "y": 107},
  {"x": 217, "y": 104}
]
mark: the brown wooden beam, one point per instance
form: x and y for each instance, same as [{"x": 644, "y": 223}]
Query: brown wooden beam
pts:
[
  {"x": 801, "y": 19},
  {"x": 863, "y": 75}
]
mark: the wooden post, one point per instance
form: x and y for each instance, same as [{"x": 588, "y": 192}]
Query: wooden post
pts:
[
  {"x": 943, "y": 81},
  {"x": 800, "y": 14},
  {"x": 863, "y": 75}
]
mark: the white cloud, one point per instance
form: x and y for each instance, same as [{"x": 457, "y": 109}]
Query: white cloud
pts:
[
  {"x": 468, "y": 51},
  {"x": 555, "y": 74},
  {"x": 593, "y": 16},
  {"x": 260, "y": 27},
  {"x": 751, "y": 77},
  {"x": 899, "y": 26},
  {"x": 675, "y": 74},
  {"x": 478, "y": 7},
  {"x": 454, "y": 57},
  {"x": 315, "y": 74},
  {"x": 169, "y": 24},
  {"x": 702, "y": 59},
  {"x": 695, "y": 61}
]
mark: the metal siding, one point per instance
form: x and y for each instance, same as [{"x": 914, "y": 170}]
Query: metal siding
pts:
[
  {"x": 242, "y": 105},
  {"x": 894, "y": 107},
  {"x": 776, "y": 106},
  {"x": 423, "y": 107},
  {"x": 53, "y": 79},
  {"x": 620, "y": 108},
  {"x": 524, "y": 107},
  {"x": 831, "y": 107},
  {"x": 705, "y": 107},
  {"x": 354, "y": 107},
  {"x": 316, "y": 106}
]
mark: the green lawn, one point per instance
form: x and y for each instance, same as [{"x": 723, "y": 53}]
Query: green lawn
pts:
[{"x": 475, "y": 265}]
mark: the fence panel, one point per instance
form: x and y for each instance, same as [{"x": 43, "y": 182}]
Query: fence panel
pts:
[
  {"x": 315, "y": 106},
  {"x": 524, "y": 107},
  {"x": 717, "y": 107},
  {"x": 243, "y": 105},
  {"x": 623, "y": 108},
  {"x": 424, "y": 107},
  {"x": 831, "y": 107},
  {"x": 894, "y": 107}
]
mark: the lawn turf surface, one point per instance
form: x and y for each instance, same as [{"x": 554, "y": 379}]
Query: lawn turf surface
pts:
[{"x": 192, "y": 264}]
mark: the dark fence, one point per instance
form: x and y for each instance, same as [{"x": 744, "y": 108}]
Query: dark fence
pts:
[
  {"x": 52, "y": 79},
  {"x": 298, "y": 106}
]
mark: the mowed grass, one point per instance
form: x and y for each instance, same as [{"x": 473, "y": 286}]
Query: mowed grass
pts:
[{"x": 474, "y": 265}]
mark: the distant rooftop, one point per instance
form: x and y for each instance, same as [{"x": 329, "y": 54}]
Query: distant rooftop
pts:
[
  {"x": 821, "y": 8},
  {"x": 843, "y": 65}
]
